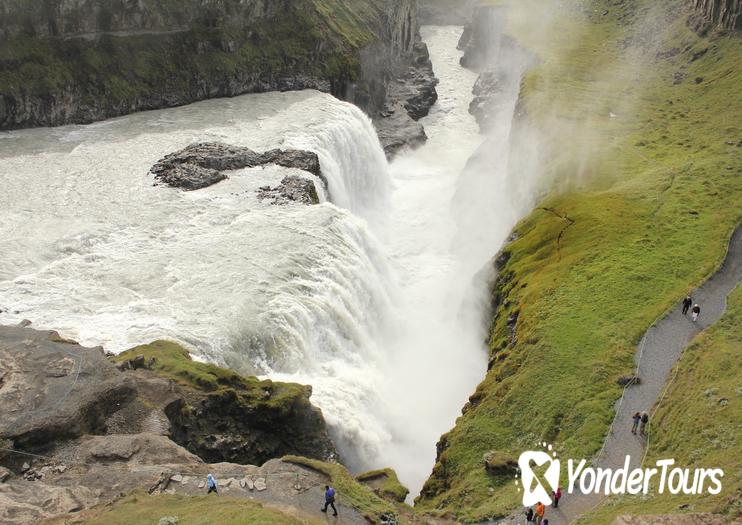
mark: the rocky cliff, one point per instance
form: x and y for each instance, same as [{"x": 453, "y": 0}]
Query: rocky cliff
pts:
[
  {"x": 76, "y": 61},
  {"x": 80, "y": 428},
  {"x": 722, "y": 14}
]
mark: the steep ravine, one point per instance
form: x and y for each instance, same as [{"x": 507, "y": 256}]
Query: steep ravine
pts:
[{"x": 586, "y": 271}]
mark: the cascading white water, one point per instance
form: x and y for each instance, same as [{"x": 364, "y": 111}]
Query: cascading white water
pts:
[
  {"x": 92, "y": 249},
  {"x": 370, "y": 298}
]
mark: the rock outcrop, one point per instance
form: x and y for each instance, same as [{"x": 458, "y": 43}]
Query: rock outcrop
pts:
[
  {"x": 220, "y": 415},
  {"x": 200, "y": 165},
  {"x": 721, "y": 14},
  {"x": 51, "y": 389},
  {"x": 411, "y": 94}
]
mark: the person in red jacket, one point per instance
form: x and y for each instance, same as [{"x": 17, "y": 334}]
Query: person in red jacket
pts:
[{"x": 556, "y": 496}]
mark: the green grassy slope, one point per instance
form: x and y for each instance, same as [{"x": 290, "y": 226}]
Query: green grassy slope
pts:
[
  {"x": 644, "y": 208},
  {"x": 697, "y": 423}
]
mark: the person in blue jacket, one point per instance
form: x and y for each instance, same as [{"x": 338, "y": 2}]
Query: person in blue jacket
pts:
[
  {"x": 330, "y": 500},
  {"x": 211, "y": 483}
]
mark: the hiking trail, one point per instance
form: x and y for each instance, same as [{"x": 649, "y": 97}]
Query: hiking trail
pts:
[{"x": 658, "y": 351}]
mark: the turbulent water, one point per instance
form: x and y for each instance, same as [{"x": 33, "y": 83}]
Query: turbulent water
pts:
[{"x": 375, "y": 296}]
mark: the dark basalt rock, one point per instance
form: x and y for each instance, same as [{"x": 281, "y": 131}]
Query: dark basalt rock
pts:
[
  {"x": 293, "y": 188},
  {"x": 200, "y": 165},
  {"x": 410, "y": 96}
]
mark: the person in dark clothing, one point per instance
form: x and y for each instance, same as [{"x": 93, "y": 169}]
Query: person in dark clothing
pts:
[
  {"x": 687, "y": 303},
  {"x": 637, "y": 417},
  {"x": 330, "y": 500},
  {"x": 695, "y": 313},
  {"x": 556, "y": 496},
  {"x": 644, "y": 421},
  {"x": 529, "y": 515}
]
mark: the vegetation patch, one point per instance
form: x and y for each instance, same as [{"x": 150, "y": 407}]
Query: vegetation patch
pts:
[
  {"x": 174, "y": 362},
  {"x": 385, "y": 483},
  {"x": 697, "y": 423}
]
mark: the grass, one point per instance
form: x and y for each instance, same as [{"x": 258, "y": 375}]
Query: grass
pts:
[
  {"x": 142, "y": 509},
  {"x": 174, "y": 362},
  {"x": 694, "y": 426},
  {"x": 385, "y": 483},
  {"x": 349, "y": 491},
  {"x": 650, "y": 202}
]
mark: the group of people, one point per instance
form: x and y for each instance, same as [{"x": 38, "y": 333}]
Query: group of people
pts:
[
  {"x": 536, "y": 515},
  {"x": 329, "y": 494},
  {"x": 640, "y": 422},
  {"x": 694, "y": 312}
]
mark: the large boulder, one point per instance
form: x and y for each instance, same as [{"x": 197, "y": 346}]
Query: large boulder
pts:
[
  {"x": 52, "y": 389},
  {"x": 204, "y": 164}
]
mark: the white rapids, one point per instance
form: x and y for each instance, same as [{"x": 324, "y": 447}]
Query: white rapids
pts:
[{"x": 369, "y": 296}]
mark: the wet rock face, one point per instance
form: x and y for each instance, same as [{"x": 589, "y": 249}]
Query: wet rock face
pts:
[
  {"x": 410, "y": 95},
  {"x": 293, "y": 188},
  {"x": 201, "y": 165},
  {"x": 72, "y": 389},
  {"x": 233, "y": 426},
  {"x": 722, "y": 14}
]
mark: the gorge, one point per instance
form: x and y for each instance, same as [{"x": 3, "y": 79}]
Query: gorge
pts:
[{"x": 453, "y": 235}]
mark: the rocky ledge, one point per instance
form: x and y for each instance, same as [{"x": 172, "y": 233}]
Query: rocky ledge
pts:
[
  {"x": 410, "y": 95},
  {"x": 83, "y": 429},
  {"x": 215, "y": 413},
  {"x": 204, "y": 164}
]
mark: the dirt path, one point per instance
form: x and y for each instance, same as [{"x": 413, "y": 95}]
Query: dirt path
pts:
[{"x": 658, "y": 351}]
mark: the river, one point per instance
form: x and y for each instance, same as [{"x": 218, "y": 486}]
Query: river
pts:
[{"x": 376, "y": 297}]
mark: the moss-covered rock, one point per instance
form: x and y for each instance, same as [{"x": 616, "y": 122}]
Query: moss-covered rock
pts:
[
  {"x": 223, "y": 416},
  {"x": 385, "y": 483}
]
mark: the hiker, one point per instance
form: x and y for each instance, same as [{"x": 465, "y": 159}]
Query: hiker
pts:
[
  {"x": 211, "y": 483},
  {"x": 540, "y": 510},
  {"x": 687, "y": 302},
  {"x": 545, "y": 522},
  {"x": 695, "y": 312},
  {"x": 644, "y": 421},
  {"x": 556, "y": 496},
  {"x": 637, "y": 417},
  {"x": 529, "y": 515},
  {"x": 330, "y": 500}
]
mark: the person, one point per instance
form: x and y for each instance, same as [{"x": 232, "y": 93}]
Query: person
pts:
[
  {"x": 529, "y": 515},
  {"x": 211, "y": 483},
  {"x": 330, "y": 500},
  {"x": 545, "y": 522},
  {"x": 540, "y": 511},
  {"x": 637, "y": 418},
  {"x": 695, "y": 312},
  {"x": 644, "y": 421},
  {"x": 687, "y": 302},
  {"x": 556, "y": 496}
]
